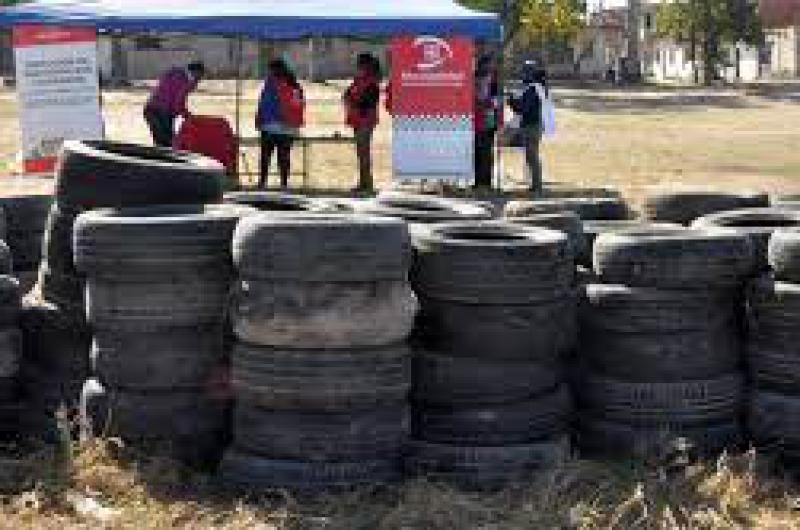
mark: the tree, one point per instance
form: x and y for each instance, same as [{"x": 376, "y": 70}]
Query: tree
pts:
[
  {"x": 536, "y": 21},
  {"x": 706, "y": 25}
]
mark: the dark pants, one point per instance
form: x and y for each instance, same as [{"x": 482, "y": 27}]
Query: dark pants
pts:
[
  {"x": 283, "y": 144},
  {"x": 162, "y": 126},
  {"x": 363, "y": 137},
  {"x": 533, "y": 140},
  {"x": 484, "y": 158}
]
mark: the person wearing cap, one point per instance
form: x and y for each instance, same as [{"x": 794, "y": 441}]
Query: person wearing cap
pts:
[
  {"x": 528, "y": 106},
  {"x": 169, "y": 99}
]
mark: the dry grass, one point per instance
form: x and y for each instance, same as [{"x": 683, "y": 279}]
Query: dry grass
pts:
[
  {"x": 102, "y": 486},
  {"x": 628, "y": 140}
]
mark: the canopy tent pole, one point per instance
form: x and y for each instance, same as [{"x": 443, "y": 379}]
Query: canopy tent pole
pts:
[{"x": 239, "y": 52}]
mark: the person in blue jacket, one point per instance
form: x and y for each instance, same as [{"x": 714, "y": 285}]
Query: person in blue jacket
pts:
[
  {"x": 278, "y": 118},
  {"x": 528, "y": 105}
]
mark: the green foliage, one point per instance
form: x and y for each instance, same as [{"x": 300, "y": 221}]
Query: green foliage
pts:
[
  {"x": 710, "y": 24},
  {"x": 537, "y": 21}
]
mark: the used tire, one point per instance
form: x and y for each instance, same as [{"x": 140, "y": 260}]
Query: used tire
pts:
[
  {"x": 57, "y": 243},
  {"x": 25, "y": 219},
  {"x": 665, "y": 357},
  {"x": 271, "y": 201},
  {"x": 175, "y": 359},
  {"x": 315, "y": 248},
  {"x": 56, "y": 361},
  {"x": 492, "y": 263},
  {"x": 423, "y": 208},
  {"x": 773, "y": 335},
  {"x": 774, "y": 421},
  {"x": 442, "y": 380},
  {"x": 784, "y": 254},
  {"x": 190, "y": 424},
  {"x": 587, "y": 208},
  {"x": 684, "y": 206},
  {"x": 659, "y": 442},
  {"x": 483, "y": 467},
  {"x": 593, "y": 229},
  {"x": 252, "y": 472},
  {"x": 538, "y": 418},
  {"x": 186, "y": 300},
  {"x": 153, "y": 242},
  {"x": 319, "y": 381},
  {"x": 758, "y": 224},
  {"x": 623, "y": 309},
  {"x": 684, "y": 259},
  {"x": 6, "y": 260},
  {"x": 566, "y": 222},
  {"x": 62, "y": 289},
  {"x": 687, "y": 402},
  {"x": 114, "y": 175},
  {"x": 313, "y": 437},
  {"x": 298, "y": 315},
  {"x": 539, "y": 333}
]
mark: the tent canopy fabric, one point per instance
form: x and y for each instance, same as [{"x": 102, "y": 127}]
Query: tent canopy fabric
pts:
[{"x": 262, "y": 19}]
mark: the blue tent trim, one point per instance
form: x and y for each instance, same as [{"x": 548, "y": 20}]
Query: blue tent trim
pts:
[{"x": 262, "y": 19}]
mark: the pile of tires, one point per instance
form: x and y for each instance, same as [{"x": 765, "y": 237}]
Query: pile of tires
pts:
[
  {"x": 94, "y": 175},
  {"x": 321, "y": 312},
  {"x": 660, "y": 355},
  {"x": 11, "y": 409},
  {"x": 24, "y": 219},
  {"x": 772, "y": 355},
  {"x": 158, "y": 281},
  {"x": 756, "y": 223},
  {"x": 587, "y": 208},
  {"x": 489, "y": 399},
  {"x": 423, "y": 209},
  {"x": 683, "y": 206}
]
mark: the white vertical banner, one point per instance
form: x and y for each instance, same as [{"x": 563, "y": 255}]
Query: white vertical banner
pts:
[
  {"x": 433, "y": 108},
  {"x": 58, "y": 90}
]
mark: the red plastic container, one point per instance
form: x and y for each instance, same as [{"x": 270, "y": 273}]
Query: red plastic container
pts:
[{"x": 211, "y": 136}]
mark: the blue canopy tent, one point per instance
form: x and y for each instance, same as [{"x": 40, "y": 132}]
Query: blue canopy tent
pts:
[{"x": 261, "y": 19}]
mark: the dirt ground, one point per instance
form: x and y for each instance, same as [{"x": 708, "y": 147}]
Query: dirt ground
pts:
[{"x": 628, "y": 140}]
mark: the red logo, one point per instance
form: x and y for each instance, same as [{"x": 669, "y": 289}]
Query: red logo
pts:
[{"x": 433, "y": 52}]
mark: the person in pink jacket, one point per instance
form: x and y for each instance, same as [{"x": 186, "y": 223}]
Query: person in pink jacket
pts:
[{"x": 168, "y": 100}]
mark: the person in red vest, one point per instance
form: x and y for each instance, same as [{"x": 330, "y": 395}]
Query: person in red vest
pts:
[
  {"x": 361, "y": 105},
  {"x": 169, "y": 99},
  {"x": 280, "y": 114}
]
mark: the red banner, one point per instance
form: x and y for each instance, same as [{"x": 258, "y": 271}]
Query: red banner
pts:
[{"x": 432, "y": 76}]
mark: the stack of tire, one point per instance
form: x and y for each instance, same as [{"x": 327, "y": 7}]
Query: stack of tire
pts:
[
  {"x": 660, "y": 355},
  {"x": 682, "y": 206},
  {"x": 756, "y": 223},
  {"x": 24, "y": 219},
  {"x": 158, "y": 283},
  {"x": 93, "y": 175},
  {"x": 489, "y": 400},
  {"x": 773, "y": 359},
  {"x": 109, "y": 175},
  {"x": 321, "y": 311}
]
